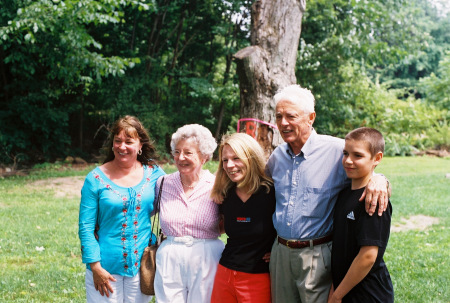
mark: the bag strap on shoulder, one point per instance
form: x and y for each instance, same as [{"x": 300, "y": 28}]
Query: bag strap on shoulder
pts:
[{"x": 156, "y": 216}]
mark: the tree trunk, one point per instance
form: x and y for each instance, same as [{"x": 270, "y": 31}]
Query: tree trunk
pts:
[{"x": 269, "y": 63}]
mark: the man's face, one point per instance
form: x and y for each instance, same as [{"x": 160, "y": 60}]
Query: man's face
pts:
[{"x": 294, "y": 125}]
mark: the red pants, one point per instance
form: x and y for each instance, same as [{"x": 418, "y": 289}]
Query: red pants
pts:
[{"x": 240, "y": 287}]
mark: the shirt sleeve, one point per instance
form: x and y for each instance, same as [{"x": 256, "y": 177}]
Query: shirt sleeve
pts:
[
  {"x": 373, "y": 230},
  {"x": 90, "y": 249}
]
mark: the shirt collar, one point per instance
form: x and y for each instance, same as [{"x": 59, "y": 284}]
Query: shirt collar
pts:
[{"x": 306, "y": 149}]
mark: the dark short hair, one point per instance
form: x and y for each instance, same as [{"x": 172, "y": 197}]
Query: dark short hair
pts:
[
  {"x": 369, "y": 135},
  {"x": 134, "y": 129}
]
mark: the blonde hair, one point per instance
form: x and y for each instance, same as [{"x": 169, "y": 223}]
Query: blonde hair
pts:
[{"x": 252, "y": 155}]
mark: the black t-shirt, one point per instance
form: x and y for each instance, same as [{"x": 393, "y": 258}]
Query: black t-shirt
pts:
[
  {"x": 354, "y": 228},
  {"x": 250, "y": 230}
]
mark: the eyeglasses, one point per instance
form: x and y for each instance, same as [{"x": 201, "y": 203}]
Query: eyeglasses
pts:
[{"x": 187, "y": 154}]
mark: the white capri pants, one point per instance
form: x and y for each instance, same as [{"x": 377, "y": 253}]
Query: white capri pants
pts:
[
  {"x": 185, "y": 269},
  {"x": 126, "y": 290}
]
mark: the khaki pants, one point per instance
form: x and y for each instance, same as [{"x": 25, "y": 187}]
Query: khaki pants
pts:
[{"x": 300, "y": 275}]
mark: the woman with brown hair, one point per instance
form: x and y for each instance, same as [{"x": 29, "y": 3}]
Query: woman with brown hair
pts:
[{"x": 118, "y": 197}]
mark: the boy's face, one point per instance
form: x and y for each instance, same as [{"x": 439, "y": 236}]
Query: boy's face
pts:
[{"x": 358, "y": 161}]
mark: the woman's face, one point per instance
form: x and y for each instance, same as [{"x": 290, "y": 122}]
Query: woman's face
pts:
[
  {"x": 233, "y": 165},
  {"x": 187, "y": 156},
  {"x": 125, "y": 147}
]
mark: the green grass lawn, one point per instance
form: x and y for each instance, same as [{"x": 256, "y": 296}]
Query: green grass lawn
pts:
[{"x": 40, "y": 257}]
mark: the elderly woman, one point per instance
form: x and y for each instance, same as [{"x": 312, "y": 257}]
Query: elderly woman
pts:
[
  {"x": 248, "y": 202},
  {"x": 118, "y": 197},
  {"x": 186, "y": 261}
]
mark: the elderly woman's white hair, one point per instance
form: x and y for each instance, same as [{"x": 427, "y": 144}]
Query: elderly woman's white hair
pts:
[
  {"x": 298, "y": 95},
  {"x": 200, "y": 134}
]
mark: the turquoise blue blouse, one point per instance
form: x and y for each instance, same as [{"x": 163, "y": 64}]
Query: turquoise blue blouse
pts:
[{"x": 123, "y": 217}]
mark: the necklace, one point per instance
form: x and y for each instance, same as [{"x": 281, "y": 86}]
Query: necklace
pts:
[
  {"x": 188, "y": 186},
  {"x": 192, "y": 186}
]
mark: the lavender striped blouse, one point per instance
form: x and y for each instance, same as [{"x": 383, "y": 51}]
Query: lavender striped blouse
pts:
[{"x": 196, "y": 216}]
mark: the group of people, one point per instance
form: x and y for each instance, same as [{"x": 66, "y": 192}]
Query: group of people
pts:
[{"x": 278, "y": 215}]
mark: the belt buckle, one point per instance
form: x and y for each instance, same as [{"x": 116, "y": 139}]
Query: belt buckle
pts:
[
  {"x": 287, "y": 243},
  {"x": 189, "y": 241},
  {"x": 186, "y": 240}
]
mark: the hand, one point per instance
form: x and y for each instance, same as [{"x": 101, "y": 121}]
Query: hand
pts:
[
  {"x": 266, "y": 257},
  {"x": 333, "y": 299},
  {"x": 332, "y": 296},
  {"x": 217, "y": 200},
  {"x": 376, "y": 193},
  {"x": 222, "y": 225},
  {"x": 101, "y": 279}
]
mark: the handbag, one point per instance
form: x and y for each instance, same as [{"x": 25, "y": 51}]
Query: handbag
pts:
[{"x": 148, "y": 260}]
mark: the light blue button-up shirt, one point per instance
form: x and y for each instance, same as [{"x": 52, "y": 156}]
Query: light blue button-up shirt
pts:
[{"x": 307, "y": 186}]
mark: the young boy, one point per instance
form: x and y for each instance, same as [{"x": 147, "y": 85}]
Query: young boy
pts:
[{"x": 359, "y": 240}]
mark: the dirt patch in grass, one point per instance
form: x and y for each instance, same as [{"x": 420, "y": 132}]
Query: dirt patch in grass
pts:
[
  {"x": 63, "y": 187},
  {"x": 71, "y": 187},
  {"x": 418, "y": 222}
]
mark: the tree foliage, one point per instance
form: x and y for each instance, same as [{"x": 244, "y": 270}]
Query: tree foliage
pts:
[
  {"x": 50, "y": 60},
  {"x": 64, "y": 64},
  {"x": 436, "y": 87},
  {"x": 68, "y": 68},
  {"x": 408, "y": 124},
  {"x": 363, "y": 60}
]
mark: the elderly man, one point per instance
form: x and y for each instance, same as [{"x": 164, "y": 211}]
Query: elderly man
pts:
[{"x": 308, "y": 176}]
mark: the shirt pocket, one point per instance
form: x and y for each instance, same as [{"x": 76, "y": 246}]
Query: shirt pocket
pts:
[{"x": 316, "y": 202}]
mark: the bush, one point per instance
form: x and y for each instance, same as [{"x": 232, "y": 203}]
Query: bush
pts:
[{"x": 407, "y": 124}]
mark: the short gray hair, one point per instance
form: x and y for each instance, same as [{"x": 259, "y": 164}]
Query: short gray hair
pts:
[
  {"x": 200, "y": 134},
  {"x": 298, "y": 95}
]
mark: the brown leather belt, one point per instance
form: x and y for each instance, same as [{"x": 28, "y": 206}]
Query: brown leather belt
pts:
[{"x": 306, "y": 243}]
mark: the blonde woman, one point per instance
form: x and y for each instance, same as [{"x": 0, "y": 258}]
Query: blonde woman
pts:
[{"x": 247, "y": 202}]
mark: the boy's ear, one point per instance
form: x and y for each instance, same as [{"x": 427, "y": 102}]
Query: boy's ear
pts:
[{"x": 377, "y": 158}]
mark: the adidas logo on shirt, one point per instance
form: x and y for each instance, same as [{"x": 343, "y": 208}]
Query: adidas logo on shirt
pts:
[{"x": 351, "y": 216}]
